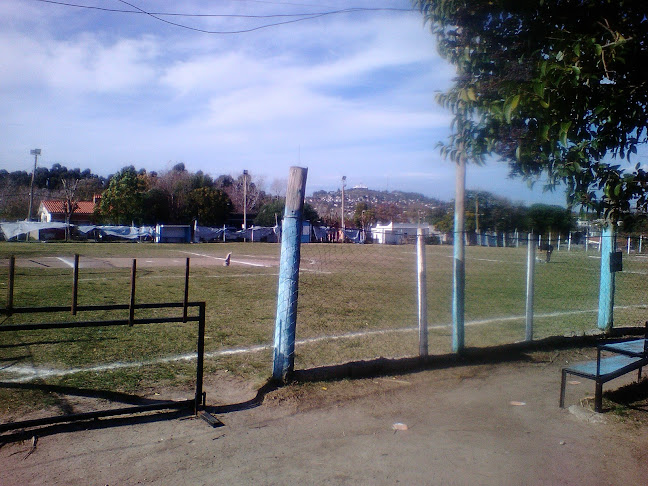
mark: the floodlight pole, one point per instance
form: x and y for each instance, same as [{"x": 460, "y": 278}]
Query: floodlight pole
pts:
[
  {"x": 343, "y": 226},
  {"x": 35, "y": 153},
  {"x": 245, "y": 176}
]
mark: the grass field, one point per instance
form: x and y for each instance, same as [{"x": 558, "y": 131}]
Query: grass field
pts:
[{"x": 369, "y": 290}]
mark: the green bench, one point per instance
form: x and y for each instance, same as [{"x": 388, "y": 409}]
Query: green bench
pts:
[{"x": 602, "y": 370}]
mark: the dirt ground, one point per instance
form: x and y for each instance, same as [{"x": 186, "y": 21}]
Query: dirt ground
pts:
[{"x": 487, "y": 424}]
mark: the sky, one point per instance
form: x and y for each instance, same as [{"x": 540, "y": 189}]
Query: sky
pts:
[{"x": 345, "y": 94}]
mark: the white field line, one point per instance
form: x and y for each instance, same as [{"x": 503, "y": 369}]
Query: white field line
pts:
[
  {"x": 491, "y": 260},
  {"x": 223, "y": 259},
  {"x": 29, "y": 373},
  {"x": 66, "y": 261}
]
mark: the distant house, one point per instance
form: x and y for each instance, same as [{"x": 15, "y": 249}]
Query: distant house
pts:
[
  {"x": 398, "y": 233},
  {"x": 51, "y": 211}
]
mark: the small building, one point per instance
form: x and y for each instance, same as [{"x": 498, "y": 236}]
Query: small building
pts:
[
  {"x": 398, "y": 233},
  {"x": 53, "y": 210},
  {"x": 172, "y": 233}
]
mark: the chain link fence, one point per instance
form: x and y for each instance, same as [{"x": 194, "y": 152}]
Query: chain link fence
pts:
[{"x": 359, "y": 302}]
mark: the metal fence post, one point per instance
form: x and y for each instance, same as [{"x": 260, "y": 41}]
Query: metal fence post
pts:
[
  {"x": 422, "y": 293},
  {"x": 459, "y": 263},
  {"x": 75, "y": 284},
  {"x": 531, "y": 253},
  {"x": 10, "y": 287},
  {"x": 286, "y": 321}
]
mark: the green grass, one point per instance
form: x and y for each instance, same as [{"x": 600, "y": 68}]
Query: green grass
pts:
[{"x": 343, "y": 289}]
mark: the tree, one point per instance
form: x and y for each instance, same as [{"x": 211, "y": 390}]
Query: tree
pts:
[
  {"x": 273, "y": 212},
  {"x": 553, "y": 87},
  {"x": 209, "y": 206},
  {"x": 121, "y": 202},
  {"x": 364, "y": 216},
  {"x": 246, "y": 188},
  {"x": 70, "y": 202},
  {"x": 543, "y": 218},
  {"x": 155, "y": 206}
]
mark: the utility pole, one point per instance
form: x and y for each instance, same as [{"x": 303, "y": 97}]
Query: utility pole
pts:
[
  {"x": 35, "y": 153},
  {"x": 343, "y": 226},
  {"x": 245, "y": 176}
]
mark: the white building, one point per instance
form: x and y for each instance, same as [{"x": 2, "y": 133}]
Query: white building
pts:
[{"x": 398, "y": 233}]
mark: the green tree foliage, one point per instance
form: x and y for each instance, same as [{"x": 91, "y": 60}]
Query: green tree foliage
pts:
[
  {"x": 500, "y": 214},
  {"x": 364, "y": 216},
  {"x": 553, "y": 87},
  {"x": 276, "y": 208},
  {"x": 122, "y": 201},
  {"x": 543, "y": 218},
  {"x": 211, "y": 207}
]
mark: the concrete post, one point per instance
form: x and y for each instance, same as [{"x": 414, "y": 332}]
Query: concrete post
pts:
[
  {"x": 422, "y": 293},
  {"x": 606, "y": 290},
  {"x": 531, "y": 253},
  {"x": 459, "y": 267}
]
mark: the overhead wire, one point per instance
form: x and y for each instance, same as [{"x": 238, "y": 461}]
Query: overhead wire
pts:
[{"x": 293, "y": 17}]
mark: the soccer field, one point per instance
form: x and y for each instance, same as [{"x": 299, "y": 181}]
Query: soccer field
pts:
[{"x": 355, "y": 302}]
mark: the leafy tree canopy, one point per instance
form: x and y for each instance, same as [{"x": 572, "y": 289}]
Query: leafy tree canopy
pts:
[
  {"x": 276, "y": 209},
  {"x": 553, "y": 87},
  {"x": 209, "y": 206}
]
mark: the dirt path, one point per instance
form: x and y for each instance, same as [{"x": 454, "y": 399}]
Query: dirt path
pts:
[{"x": 481, "y": 424}]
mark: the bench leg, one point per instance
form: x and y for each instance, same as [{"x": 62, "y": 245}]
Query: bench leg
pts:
[
  {"x": 598, "y": 397},
  {"x": 562, "y": 388}
]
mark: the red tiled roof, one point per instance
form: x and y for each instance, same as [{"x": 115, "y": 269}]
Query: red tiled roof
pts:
[{"x": 57, "y": 207}]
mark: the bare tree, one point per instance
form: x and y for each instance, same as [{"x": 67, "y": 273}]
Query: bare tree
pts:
[
  {"x": 254, "y": 192},
  {"x": 278, "y": 188},
  {"x": 70, "y": 203}
]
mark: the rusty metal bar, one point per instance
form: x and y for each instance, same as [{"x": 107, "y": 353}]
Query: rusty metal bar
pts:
[
  {"x": 68, "y": 325},
  {"x": 197, "y": 403},
  {"x": 186, "y": 293},
  {"x": 201, "y": 356},
  {"x": 131, "y": 312},
  {"x": 58, "y": 419},
  {"x": 75, "y": 284},
  {"x": 48, "y": 309},
  {"x": 10, "y": 289}
]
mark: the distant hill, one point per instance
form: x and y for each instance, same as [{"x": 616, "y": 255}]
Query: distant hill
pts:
[{"x": 397, "y": 206}]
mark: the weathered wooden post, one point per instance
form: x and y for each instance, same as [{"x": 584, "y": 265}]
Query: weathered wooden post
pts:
[
  {"x": 606, "y": 290},
  {"x": 422, "y": 293},
  {"x": 286, "y": 321},
  {"x": 531, "y": 254}
]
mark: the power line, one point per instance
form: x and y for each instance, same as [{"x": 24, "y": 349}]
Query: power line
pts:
[{"x": 294, "y": 17}]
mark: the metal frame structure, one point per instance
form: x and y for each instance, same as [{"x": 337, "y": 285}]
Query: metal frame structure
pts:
[{"x": 197, "y": 403}]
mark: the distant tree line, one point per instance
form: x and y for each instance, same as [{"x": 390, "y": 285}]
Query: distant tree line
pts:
[{"x": 132, "y": 196}]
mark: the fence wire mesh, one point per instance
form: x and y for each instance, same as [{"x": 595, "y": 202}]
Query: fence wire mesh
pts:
[{"x": 359, "y": 301}]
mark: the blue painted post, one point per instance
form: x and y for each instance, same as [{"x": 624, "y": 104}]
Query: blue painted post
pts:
[
  {"x": 286, "y": 322},
  {"x": 606, "y": 290},
  {"x": 459, "y": 267}
]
